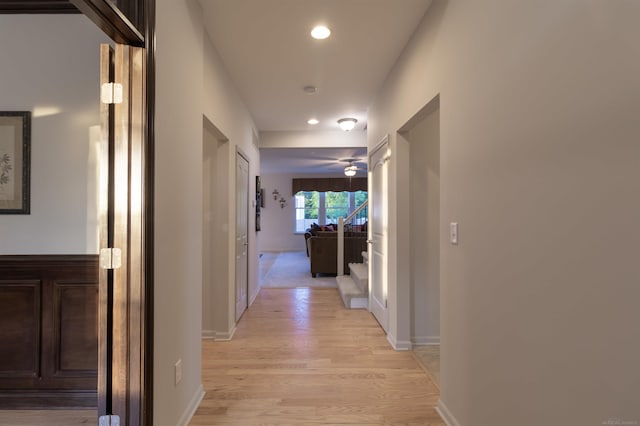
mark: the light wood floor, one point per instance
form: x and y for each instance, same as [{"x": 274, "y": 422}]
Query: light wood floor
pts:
[
  {"x": 299, "y": 358},
  {"x": 429, "y": 358},
  {"x": 48, "y": 418}
]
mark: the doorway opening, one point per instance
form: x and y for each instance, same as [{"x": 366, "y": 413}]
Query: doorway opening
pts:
[
  {"x": 218, "y": 321},
  {"x": 421, "y": 135},
  {"x": 61, "y": 233}
]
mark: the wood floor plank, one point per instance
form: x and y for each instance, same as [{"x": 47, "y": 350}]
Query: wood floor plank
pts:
[
  {"x": 300, "y": 358},
  {"x": 48, "y": 417}
]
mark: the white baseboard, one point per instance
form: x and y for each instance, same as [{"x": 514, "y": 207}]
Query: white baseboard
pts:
[
  {"x": 446, "y": 414},
  {"x": 208, "y": 334},
  {"x": 226, "y": 336},
  {"x": 253, "y": 297},
  {"x": 359, "y": 303},
  {"x": 289, "y": 250},
  {"x": 192, "y": 407},
  {"x": 398, "y": 345},
  {"x": 426, "y": 340},
  {"x": 217, "y": 335}
]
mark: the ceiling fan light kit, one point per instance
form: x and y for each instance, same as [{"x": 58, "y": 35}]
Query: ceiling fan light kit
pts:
[{"x": 350, "y": 171}]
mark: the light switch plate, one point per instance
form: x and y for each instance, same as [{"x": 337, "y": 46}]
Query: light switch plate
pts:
[
  {"x": 178, "y": 371},
  {"x": 453, "y": 232}
]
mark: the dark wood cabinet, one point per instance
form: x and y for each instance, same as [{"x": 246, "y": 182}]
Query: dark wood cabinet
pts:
[{"x": 48, "y": 331}]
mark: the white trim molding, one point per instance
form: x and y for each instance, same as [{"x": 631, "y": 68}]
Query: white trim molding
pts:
[
  {"x": 192, "y": 407},
  {"x": 426, "y": 340},
  {"x": 225, "y": 336},
  {"x": 218, "y": 336},
  {"x": 359, "y": 303},
  {"x": 399, "y": 345},
  {"x": 446, "y": 415},
  {"x": 252, "y": 298}
]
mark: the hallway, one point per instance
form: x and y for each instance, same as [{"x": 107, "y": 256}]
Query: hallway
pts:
[{"x": 300, "y": 358}]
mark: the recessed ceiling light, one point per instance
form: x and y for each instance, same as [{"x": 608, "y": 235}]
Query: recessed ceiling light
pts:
[
  {"x": 320, "y": 32},
  {"x": 313, "y": 121}
]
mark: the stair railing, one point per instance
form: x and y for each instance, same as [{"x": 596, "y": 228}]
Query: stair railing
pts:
[{"x": 358, "y": 218}]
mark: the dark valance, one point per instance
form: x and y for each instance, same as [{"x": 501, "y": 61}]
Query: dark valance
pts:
[{"x": 329, "y": 184}]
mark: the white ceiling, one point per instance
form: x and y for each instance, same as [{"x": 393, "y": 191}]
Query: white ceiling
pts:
[
  {"x": 266, "y": 48},
  {"x": 312, "y": 161}
]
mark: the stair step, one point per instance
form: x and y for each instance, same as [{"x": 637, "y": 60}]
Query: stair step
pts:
[
  {"x": 352, "y": 296},
  {"x": 359, "y": 270},
  {"x": 360, "y": 275}
]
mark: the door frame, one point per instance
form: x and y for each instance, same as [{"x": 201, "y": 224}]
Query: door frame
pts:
[
  {"x": 240, "y": 153},
  {"x": 113, "y": 22}
]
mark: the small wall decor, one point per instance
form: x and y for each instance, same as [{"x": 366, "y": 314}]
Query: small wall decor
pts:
[
  {"x": 15, "y": 153},
  {"x": 258, "y": 202},
  {"x": 283, "y": 202},
  {"x": 275, "y": 194}
]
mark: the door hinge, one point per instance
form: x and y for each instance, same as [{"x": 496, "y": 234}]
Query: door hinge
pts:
[
  {"x": 110, "y": 258},
  {"x": 109, "y": 420},
  {"x": 111, "y": 93}
]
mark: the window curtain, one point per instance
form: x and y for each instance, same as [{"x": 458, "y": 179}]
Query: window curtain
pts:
[{"x": 328, "y": 184}]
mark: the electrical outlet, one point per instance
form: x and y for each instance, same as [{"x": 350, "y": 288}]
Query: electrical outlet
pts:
[{"x": 178, "y": 371}]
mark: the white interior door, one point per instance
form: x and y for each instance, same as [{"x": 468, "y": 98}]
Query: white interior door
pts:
[
  {"x": 242, "y": 227},
  {"x": 378, "y": 164}
]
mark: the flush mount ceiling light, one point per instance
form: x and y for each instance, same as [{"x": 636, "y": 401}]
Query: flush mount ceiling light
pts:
[
  {"x": 320, "y": 32},
  {"x": 312, "y": 121},
  {"x": 350, "y": 170},
  {"x": 347, "y": 124}
]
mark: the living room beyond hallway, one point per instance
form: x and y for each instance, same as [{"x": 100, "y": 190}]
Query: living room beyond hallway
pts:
[{"x": 290, "y": 269}]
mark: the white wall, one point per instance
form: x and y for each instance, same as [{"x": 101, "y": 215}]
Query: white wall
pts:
[
  {"x": 50, "y": 66},
  {"x": 278, "y": 224},
  {"x": 191, "y": 84},
  {"x": 226, "y": 111},
  {"x": 178, "y": 210},
  {"x": 539, "y": 165},
  {"x": 312, "y": 139}
]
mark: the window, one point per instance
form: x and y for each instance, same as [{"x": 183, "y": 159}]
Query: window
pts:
[
  {"x": 324, "y": 208},
  {"x": 307, "y": 209}
]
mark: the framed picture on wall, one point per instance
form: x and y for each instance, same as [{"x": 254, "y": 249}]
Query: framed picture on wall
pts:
[
  {"x": 15, "y": 157},
  {"x": 258, "y": 202}
]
